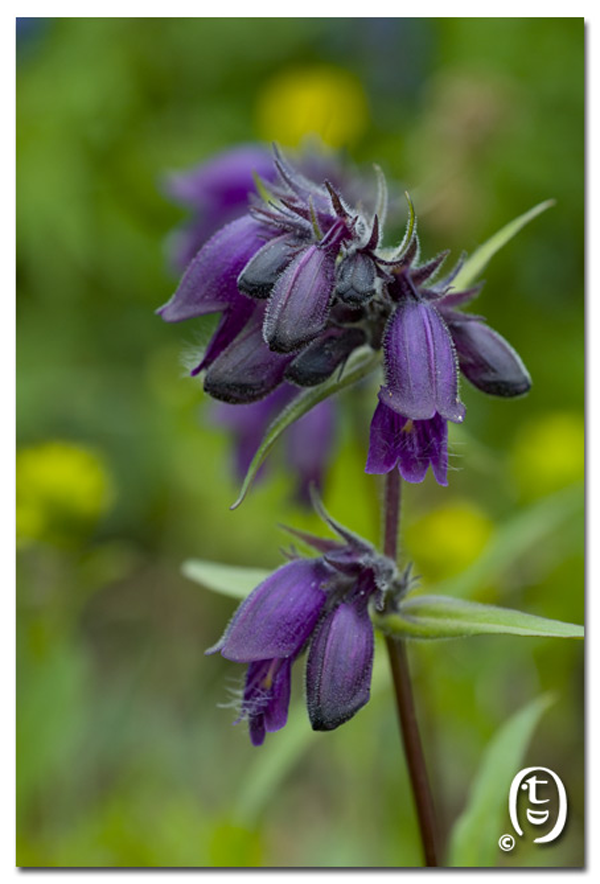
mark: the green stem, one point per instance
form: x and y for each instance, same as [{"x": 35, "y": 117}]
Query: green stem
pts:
[{"x": 405, "y": 704}]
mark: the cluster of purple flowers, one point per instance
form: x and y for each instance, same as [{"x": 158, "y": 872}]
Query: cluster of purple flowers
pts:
[
  {"x": 293, "y": 261},
  {"x": 320, "y": 605},
  {"x": 301, "y": 280}
]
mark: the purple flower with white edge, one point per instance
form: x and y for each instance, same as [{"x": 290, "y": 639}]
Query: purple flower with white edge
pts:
[
  {"x": 300, "y": 301},
  {"x": 340, "y": 660}
]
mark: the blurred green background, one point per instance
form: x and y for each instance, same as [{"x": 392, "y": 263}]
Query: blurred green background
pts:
[{"x": 124, "y": 756}]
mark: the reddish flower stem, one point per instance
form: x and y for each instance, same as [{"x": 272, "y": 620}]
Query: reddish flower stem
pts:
[{"x": 407, "y": 717}]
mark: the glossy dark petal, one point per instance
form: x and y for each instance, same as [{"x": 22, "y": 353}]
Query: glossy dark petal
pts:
[
  {"x": 421, "y": 365},
  {"x": 411, "y": 446},
  {"x": 488, "y": 361},
  {"x": 324, "y": 355},
  {"x": 278, "y": 616},
  {"x": 210, "y": 282},
  {"x": 300, "y": 301},
  {"x": 356, "y": 279},
  {"x": 339, "y": 666},
  {"x": 264, "y": 268},
  {"x": 246, "y": 370}
]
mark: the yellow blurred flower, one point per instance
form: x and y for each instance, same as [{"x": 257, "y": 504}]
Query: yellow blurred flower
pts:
[
  {"x": 325, "y": 101},
  {"x": 548, "y": 453},
  {"x": 61, "y": 489},
  {"x": 448, "y": 539}
]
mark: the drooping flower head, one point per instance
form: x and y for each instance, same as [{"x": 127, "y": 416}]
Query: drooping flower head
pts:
[
  {"x": 319, "y": 605},
  {"x": 302, "y": 280}
]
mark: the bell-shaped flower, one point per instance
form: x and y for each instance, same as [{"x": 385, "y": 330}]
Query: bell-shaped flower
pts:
[
  {"x": 486, "y": 359},
  {"x": 319, "y": 359},
  {"x": 210, "y": 282},
  {"x": 265, "y": 267},
  {"x": 356, "y": 279},
  {"x": 300, "y": 301},
  {"x": 277, "y": 618},
  {"x": 420, "y": 363},
  {"x": 339, "y": 665},
  {"x": 246, "y": 370},
  {"x": 217, "y": 191},
  {"x": 410, "y": 445}
]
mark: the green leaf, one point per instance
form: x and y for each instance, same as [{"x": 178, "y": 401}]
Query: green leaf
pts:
[
  {"x": 474, "y": 838},
  {"x": 361, "y": 363},
  {"x": 431, "y": 616},
  {"x": 381, "y": 204},
  {"x": 225, "y": 579},
  {"x": 474, "y": 265}
]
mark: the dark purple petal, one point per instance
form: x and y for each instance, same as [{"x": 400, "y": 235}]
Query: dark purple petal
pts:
[
  {"x": 412, "y": 446},
  {"x": 356, "y": 279},
  {"x": 324, "y": 355},
  {"x": 421, "y": 369},
  {"x": 210, "y": 282},
  {"x": 488, "y": 361},
  {"x": 300, "y": 301},
  {"x": 246, "y": 370},
  {"x": 384, "y": 440},
  {"x": 266, "y": 697},
  {"x": 231, "y": 324},
  {"x": 309, "y": 446},
  {"x": 278, "y": 616},
  {"x": 339, "y": 666},
  {"x": 263, "y": 270},
  {"x": 423, "y": 443}
]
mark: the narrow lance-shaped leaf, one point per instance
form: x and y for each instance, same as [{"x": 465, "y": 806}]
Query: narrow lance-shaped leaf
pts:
[
  {"x": 430, "y": 616},
  {"x": 359, "y": 365},
  {"x": 474, "y": 265},
  {"x": 474, "y": 838},
  {"x": 229, "y": 580},
  {"x": 381, "y": 206}
]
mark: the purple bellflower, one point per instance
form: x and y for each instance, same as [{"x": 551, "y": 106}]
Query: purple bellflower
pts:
[
  {"x": 301, "y": 281},
  {"x": 217, "y": 191},
  {"x": 320, "y": 605}
]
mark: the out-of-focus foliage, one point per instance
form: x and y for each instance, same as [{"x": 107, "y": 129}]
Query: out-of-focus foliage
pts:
[{"x": 124, "y": 757}]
